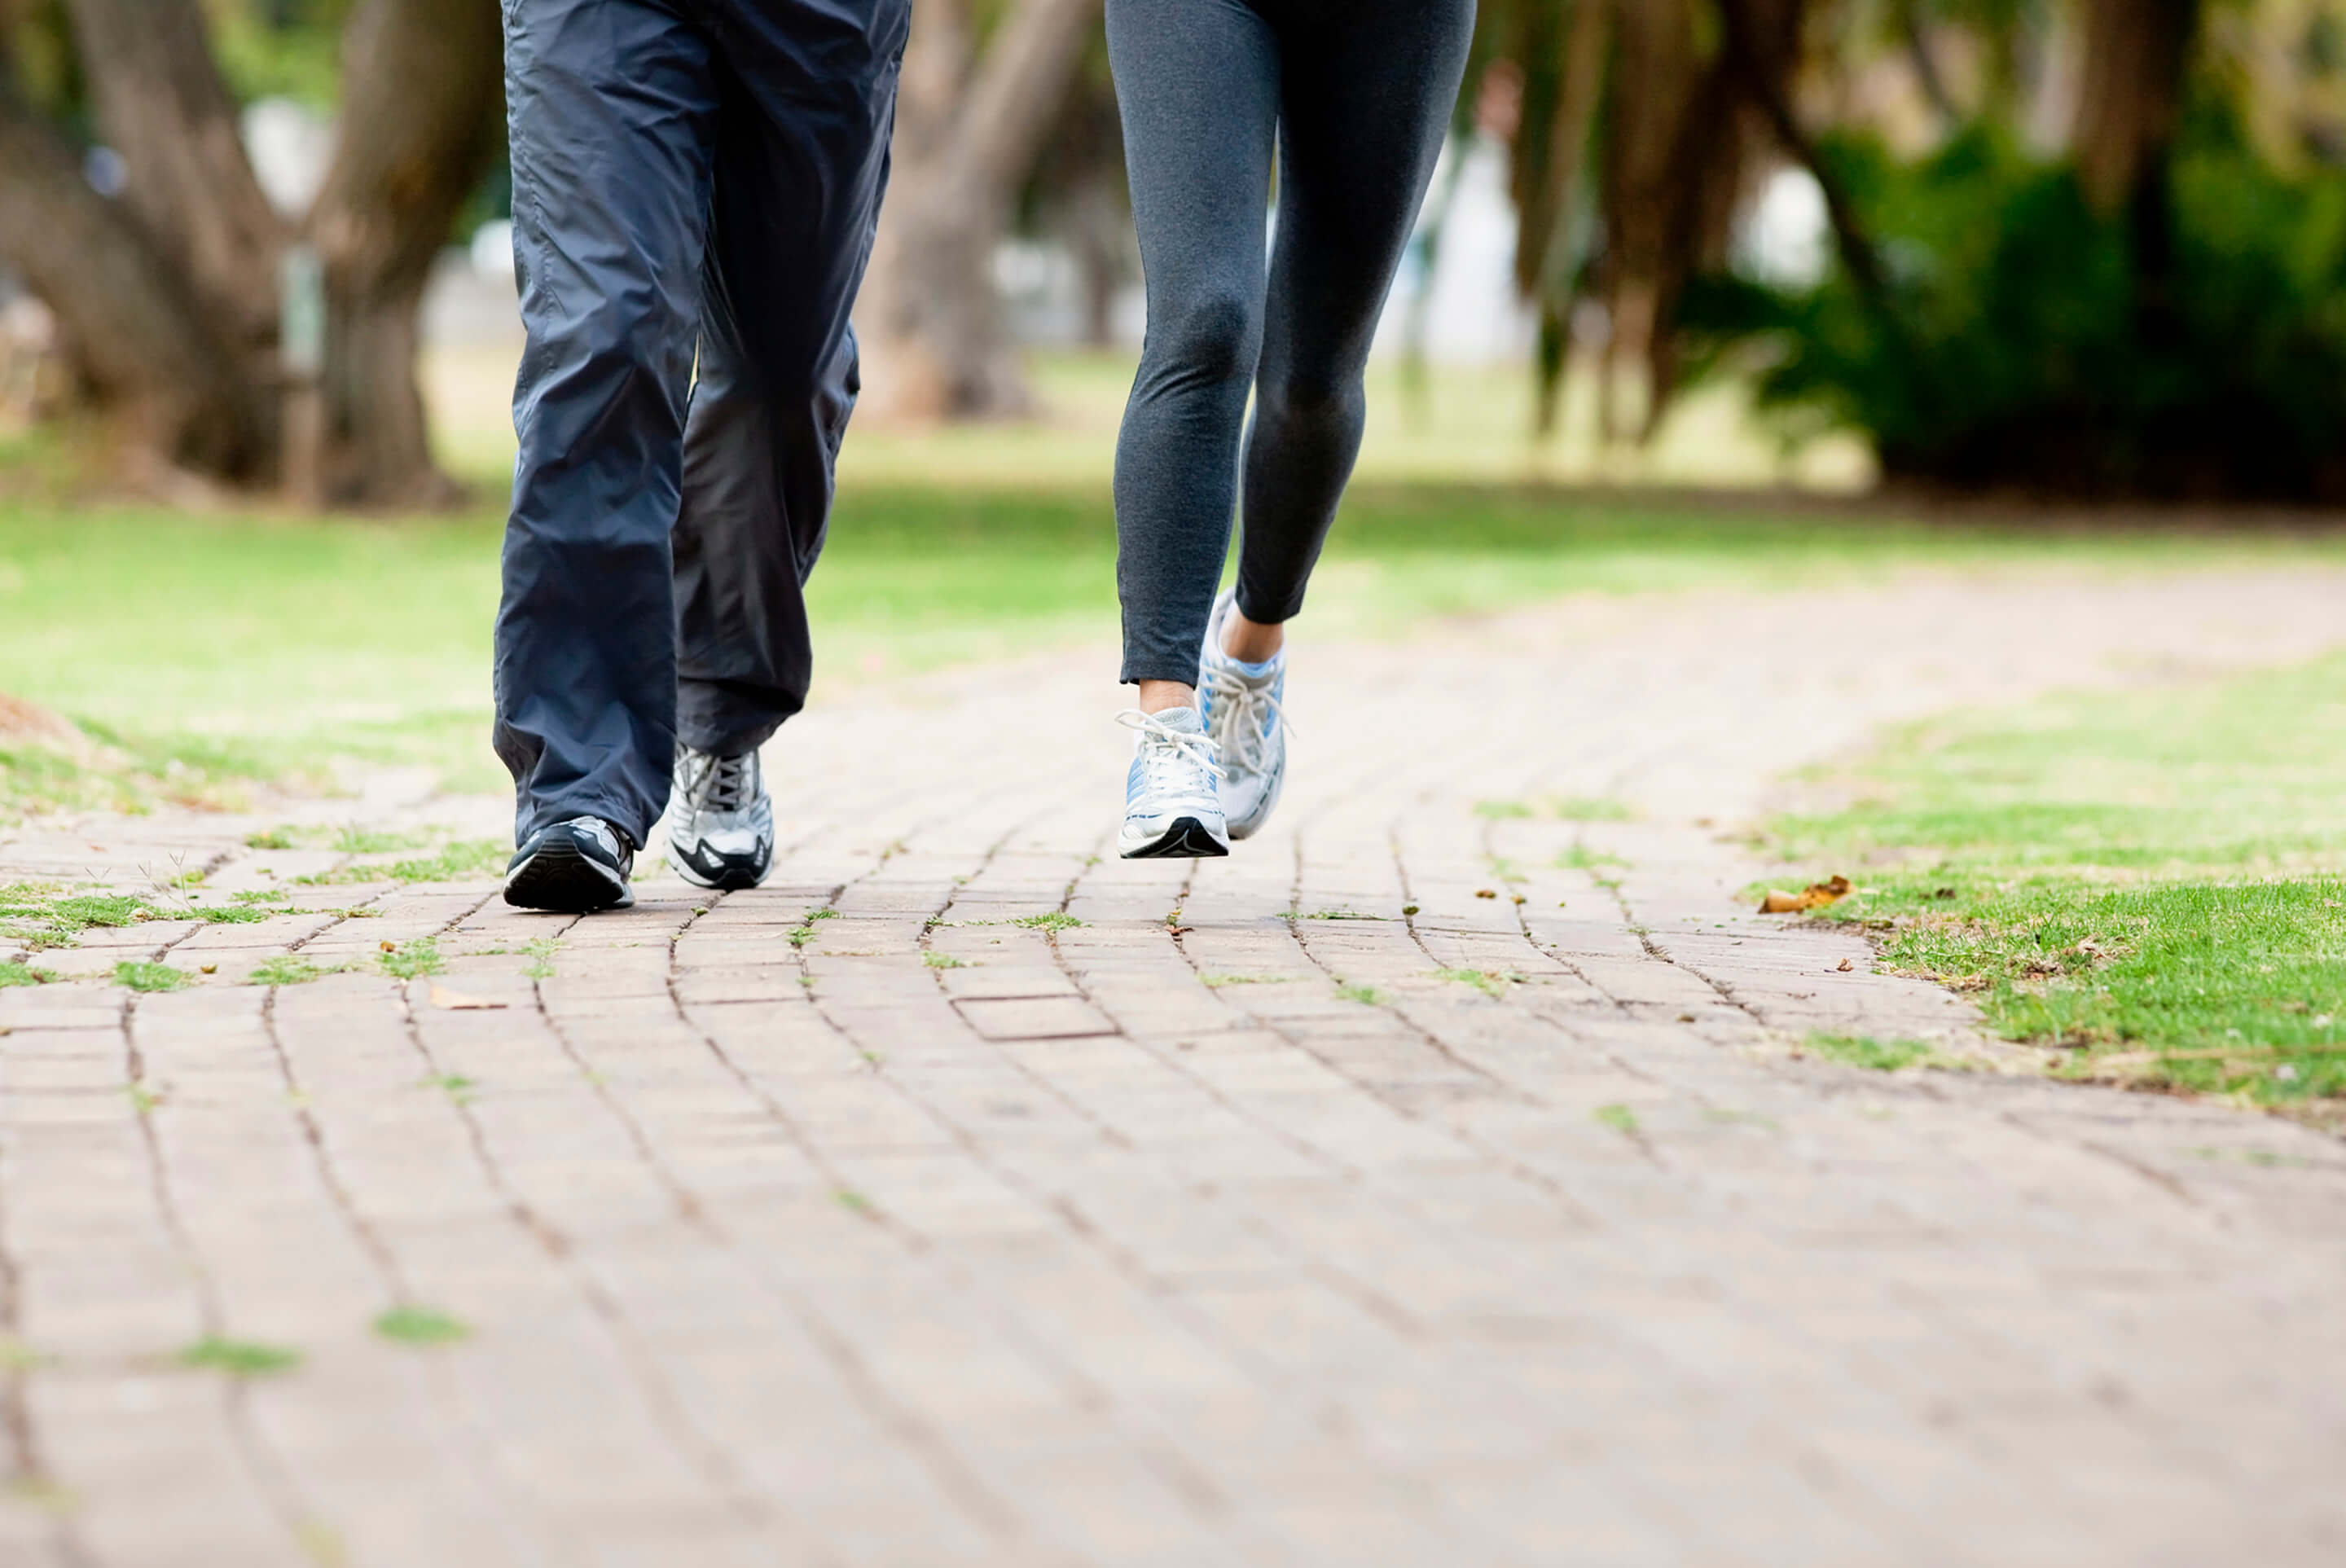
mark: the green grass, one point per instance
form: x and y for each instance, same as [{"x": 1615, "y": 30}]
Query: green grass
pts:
[
  {"x": 12, "y": 973},
  {"x": 1490, "y": 982},
  {"x": 456, "y": 1085},
  {"x": 142, "y": 976},
  {"x": 466, "y": 860},
  {"x": 44, "y": 914},
  {"x": 1876, "y": 1055},
  {"x": 224, "y": 914},
  {"x": 1581, "y": 858},
  {"x": 1366, "y": 995},
  {"x": 420, "y": 1325},
  {"x": 2153, "y": 878},
  {"x": 412, "y": 959},
  {"x": 1590, "y": 809},
  {"x": 240, "y": 1358},
  {"x": 936, "y": 960},
  {"x": 214, "y": 651},
  {"x": 285, "y": 969},
  {"x": 1620, "y": 1118},
  {"x": 1055, "y": 921}
]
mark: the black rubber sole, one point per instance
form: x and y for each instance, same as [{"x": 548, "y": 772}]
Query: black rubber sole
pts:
[
  {"x": 558, "y": 877},
  {"x": 1186, "y": 839},
  {"x": 720, "y": 876}
]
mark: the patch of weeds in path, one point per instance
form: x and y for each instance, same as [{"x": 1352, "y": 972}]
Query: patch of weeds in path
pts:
[
  {"x": 469, "y": 859},
  {"x": 1366, "y": 995},
  {"x": 12, "y": 973},
  {"x": 456, "y": 1085},
  {"x": 1490, "y": 982},
  {"x": 1875, "y": 1055},
  {"x": 240, "y": 1358},
  {"x": 44, "y": 914},
  {"x": 804, "y": 933},
  {"x": 1055, "y": 922},
  {"x": 142, "y": 976},
  {"x": 285, "y": 969},
  {"x": 413, "y": 1325},
  {"x": 412, "y": 959},
  {"x": 2152, "y": 881}
]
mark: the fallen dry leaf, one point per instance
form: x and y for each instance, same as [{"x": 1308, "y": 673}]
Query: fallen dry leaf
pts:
[
  {"x": 1844, "y": 966},
  {"x": 457, "y": 1002},
  {"x": 207, "y": 969},
  {"x": 391, "y": 947},
  {"x": 1487, "y": 893},
  {"x": 1815, "y": 896}
]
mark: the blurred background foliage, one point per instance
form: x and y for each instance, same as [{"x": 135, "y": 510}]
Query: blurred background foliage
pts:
[{"x": 2078, "y": 248}]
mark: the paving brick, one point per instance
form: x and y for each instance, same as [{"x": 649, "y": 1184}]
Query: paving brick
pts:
[{"x": 938, "y": 1239}]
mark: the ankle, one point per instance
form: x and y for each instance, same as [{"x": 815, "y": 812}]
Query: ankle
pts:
[
  {"x": 1160, "y": 695},
  {"x": 1251, "y": 642}
]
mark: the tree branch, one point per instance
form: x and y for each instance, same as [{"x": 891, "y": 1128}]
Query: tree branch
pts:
[{"x": 1740, "y": 55}]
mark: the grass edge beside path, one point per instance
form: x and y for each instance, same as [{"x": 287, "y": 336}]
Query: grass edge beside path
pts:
[
  {"x": 2151, "y": 880},
  {"x": 209, "y": 656}
]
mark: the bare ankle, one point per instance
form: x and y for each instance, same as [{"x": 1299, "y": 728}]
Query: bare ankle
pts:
[
  {"x": 1251, "y": 642},
  {"x": 1158, "y": 696}
]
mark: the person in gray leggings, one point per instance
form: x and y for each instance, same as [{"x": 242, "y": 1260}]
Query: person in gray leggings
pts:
[{"x": 1353, "y": 97}]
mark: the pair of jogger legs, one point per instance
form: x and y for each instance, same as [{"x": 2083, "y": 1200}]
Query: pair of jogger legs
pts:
[
  {"x": 1355, "y": 96},
  {"x": 689, "y": 176}
]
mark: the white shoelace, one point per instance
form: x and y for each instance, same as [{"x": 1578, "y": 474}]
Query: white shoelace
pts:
[
  {"x": 1245, "y": 717},
  {"x": 718, "y": 783},
  {"x": 1165, "y": 748}
]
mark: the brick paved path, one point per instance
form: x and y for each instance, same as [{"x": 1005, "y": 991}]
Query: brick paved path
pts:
[{"x": 1229, "y": 1238}]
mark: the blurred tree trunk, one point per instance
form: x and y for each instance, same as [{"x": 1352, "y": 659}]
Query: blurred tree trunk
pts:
[
  {"x": 424, "y": 78},
  {"x": 2132, "y": 94},
  {"x": 970, "y": 123},
  {"x": 2130, "y": 103},
  {"x": 161, "y": 104},
  {"x": 169, "y": 293},
  {"x": 141, "y": 337},
  {"x": 1674, "y": 116}
]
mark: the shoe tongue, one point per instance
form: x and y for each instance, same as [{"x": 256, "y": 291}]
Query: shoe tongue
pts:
[{"x": 1188, "y": 720}]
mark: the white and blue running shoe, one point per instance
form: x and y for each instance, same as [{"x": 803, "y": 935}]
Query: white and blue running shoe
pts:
[
  {"x": 1171, "y": 810},
  {"x": 1241, "y": 704}
]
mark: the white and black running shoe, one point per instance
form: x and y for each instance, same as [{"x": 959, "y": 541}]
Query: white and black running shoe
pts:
[
  {"x": 720, "y": 820},
  {"x": 1171, "y": 807},
  {"x": 577, "y": 867}
]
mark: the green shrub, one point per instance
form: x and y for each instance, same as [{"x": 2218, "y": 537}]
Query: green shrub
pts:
[{"x": 2026, "y": 343}]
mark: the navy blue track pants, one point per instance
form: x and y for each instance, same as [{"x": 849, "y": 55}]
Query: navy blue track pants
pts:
[{"x": 691, "y": 177}]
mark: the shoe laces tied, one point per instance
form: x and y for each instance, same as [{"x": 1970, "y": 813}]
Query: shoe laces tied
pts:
[
  {"x": 718, "y": 783},
  {"x": 1166, "y": 752},
  {"x": 1245, "y": 717}
]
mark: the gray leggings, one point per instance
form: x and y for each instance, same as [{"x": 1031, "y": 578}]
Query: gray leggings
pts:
[{"x": 1355, "y": 96}]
